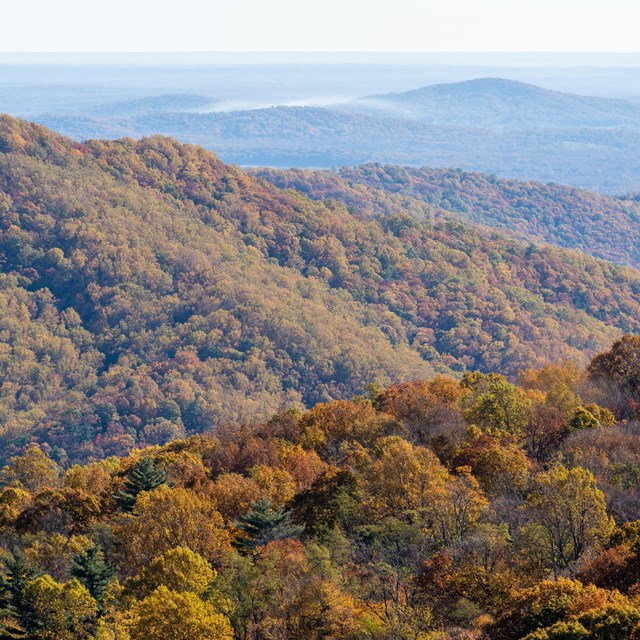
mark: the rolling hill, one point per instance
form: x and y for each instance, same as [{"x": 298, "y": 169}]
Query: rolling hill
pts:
[
  {"x": 602, "y": 226},
  {"x": 573, "y": 147},
  {"x": 500, "y": 103},
  {"x": 146, "y": 279}
]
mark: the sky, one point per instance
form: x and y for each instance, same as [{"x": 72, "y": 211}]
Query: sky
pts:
[{"x": 319, "y": 25}]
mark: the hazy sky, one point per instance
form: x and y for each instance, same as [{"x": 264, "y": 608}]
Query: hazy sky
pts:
[{"x": 320, "y": 25}]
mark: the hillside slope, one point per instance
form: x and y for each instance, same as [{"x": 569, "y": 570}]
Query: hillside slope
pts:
[
  {"x": 603, "y": 226},
  {"x": 148, "y": 288}
]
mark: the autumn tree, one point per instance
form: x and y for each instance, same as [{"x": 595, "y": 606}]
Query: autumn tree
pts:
[
  {"x": 327, "y": 427},
  {"x": 59, "y": 611},
  {"x": 569, "y": 514},
  {"x": 168, "y": 518},
  {"x": 179, "y": 569},
  {"x": 544, "y": 605},
  {"x": 494, "y": 404},
  {"x": 617, "y": 372},
  {"x": 168, "y": 615},
  {"x": 402, "y": 478},
  {"x": 33, "y": 470},
  {"x": 425, "y": 407}
]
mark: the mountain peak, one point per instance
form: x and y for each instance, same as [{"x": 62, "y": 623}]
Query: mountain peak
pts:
[
  {"x": 488, "y": 85},
  {"x": 499, "y": 102}
]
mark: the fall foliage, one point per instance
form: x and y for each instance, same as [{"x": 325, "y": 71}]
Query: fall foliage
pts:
[{"x": 422, "y": 510}]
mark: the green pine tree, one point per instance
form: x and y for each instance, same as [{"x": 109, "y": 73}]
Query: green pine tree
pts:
[
  {"x": 195, "y": 418},
  {"x": 93, "y": 572},
  {"x": 13, "y": 611},
  {"x": 263, "y": 523},
  {"x": 143, "y": 476}
]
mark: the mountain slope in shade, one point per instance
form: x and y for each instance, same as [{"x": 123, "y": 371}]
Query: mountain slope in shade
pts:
[
  {"x": 142, "y": 282},
  {"x": 496, "y": 102}
]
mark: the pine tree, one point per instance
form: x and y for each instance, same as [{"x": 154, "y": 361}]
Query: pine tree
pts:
[
  {"x": 13, "y": 611},
  {"x": 144, "y": 476},
  {"x": 94, "y": 573},
  {"x": 195, "y": 418},
  {"x": 263, "y": 524}
]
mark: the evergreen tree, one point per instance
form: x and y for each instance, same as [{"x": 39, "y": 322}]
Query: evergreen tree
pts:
[
  {"x": 94, "y": 573},
  {"x": 263, "y": 523},
  {"x": 195, "y": 417},
  {"x": 143, "y": 476},
  {"x": 13, "y": 610}
]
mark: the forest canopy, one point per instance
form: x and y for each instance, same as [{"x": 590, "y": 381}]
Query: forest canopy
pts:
[
  {"x": 148, "y": 292},
  {"x": 439, "y": 509}
]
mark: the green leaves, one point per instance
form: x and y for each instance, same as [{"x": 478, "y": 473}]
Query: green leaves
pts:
[
  {"x": 144, "y": 476},
  {"x": 263, "y": 524}
]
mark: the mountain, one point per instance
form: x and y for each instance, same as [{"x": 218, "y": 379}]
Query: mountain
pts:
[
  {"x": 508, "y": 104},
  {"x": 151, "y": 104},
  {"x": 595, "y": 157},
  {"x": 602, "y": 226},
  {"x": 144, "y": 280}
]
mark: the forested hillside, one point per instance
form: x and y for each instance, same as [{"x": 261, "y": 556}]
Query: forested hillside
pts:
[
  {"x": 150, "y": 291},
  {"x": 603, "y": 226},
  {"x": 439, "y": 509}
]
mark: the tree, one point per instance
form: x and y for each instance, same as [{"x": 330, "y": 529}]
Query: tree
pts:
[
  {"x": 195, "y": 416},
  {"x": 234, "y": 494},
  {"x": 179, "y": 570},
  {"x": 115, "y": 617},
  {"x": 570, "y": 514},
  {"x": 168, "y": 615},
  {"x": 328, "y": 503},
  {"x": 539, "y": 607},
  {"x": 494, "y": 404},
  {"x": 455, "y": 509},
  {"x": 617, "y": 372},
  {"x": 614, "y": 622},
  {"x": 93, "y": 572},
  {"x": 327, "y": 427},
  {"x": 500, "y": 466},
  {"x": 403, "y": 479},
  {"x": 167, "y": 518},
  {"x": 264, "y": 523},
  {"x": 12, "y": 606},
  {"x": 425, "y": 407},
  {"x": 143, "y": 476},
  {"x": 33, "y": 470},
  {"x": 59, "y": 611}
]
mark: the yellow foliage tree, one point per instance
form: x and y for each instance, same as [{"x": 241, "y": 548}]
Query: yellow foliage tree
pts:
[
  {"x": 59, "y": 611},
  {"x": 179, "y": 570},
  {"x": 168, "y": 615},
  {"x": 167, "y": 518}
]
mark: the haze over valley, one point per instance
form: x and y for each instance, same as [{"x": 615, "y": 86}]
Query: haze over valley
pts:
[{"x": 569, "y": 119}]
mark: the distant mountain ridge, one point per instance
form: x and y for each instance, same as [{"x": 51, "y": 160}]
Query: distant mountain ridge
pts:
[
  {"x": 171, "y": 102},
  {"x": 496, "y": 102},
  {"x": 509, "y": 128}
]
